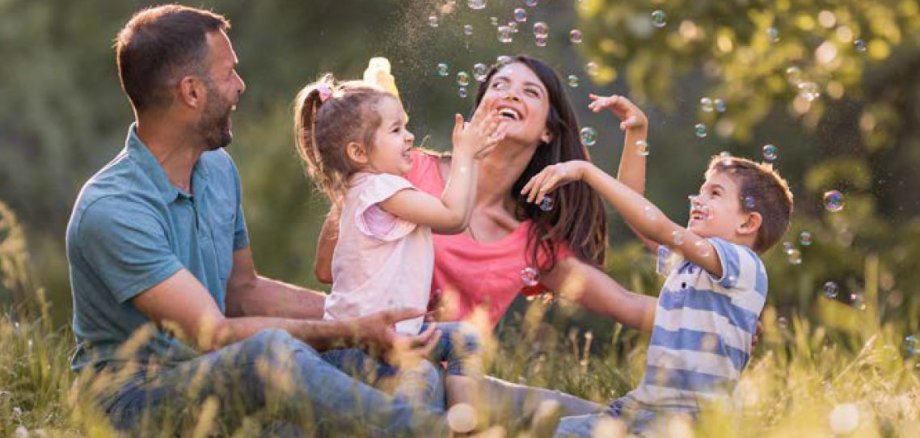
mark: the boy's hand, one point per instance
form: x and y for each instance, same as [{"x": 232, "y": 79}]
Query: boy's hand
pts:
[
  {"x": 478, "y": 137},
  {"x": 553, "y": 176},
  {"x": 631, "y": 117}
]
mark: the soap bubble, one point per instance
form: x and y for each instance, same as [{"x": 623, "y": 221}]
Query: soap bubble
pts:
[
  {"x": 833, "y": 201},
  {"x": 531, "y": 3},
  {"x": 588, "y": 136},
  {"x": 831, "y": 289},
  {"x": 520, "y": 15},
  {"x": 505, "y": 34},
  {"x": 480, "y": 71},
  {"x": 573, "y": 81},
  {"x": 575, "y": 36},
  {"x": 700, "y": 130},
  {"x": 462, "y": 92},
  {"x": 805, "y": 238},
  {"x": 782, "y": 323},
  {"x": 858, "y": 301},
  {"x": 530, "y": 276},
  {"x": 773, "y": 35},
  {"x": 463, "y": 78},
  {"x": 809, "y": 91},
  {"x": 591, "y": 68},
  {"x": 540, "y": 41},
  {"x": 461, "y": 418},
  {"x": 794, "y": 75},
  {"x": 677, "y": 237},
  {"x": 433, "y": 20},
  {"x": 910, "y": 345},
  {"x": 770, "y": 153},
  {"x": 719, "y": 104},
  {"x": 540, "y": 29},
  {"x": 493, "y": 20},
  {"x": 476, "y": 4},
  {"x": 706, "y": 104},
  {"x": 795, "y": 257},
  {"x": 860, "y": 45},
  {"x": 749, "y": 203},
  {"x": 467, "y": 29},
  {"x": 546, "y": 204},
  {"x": 788, "y": 247},
  {"x": 443, "y": 69},
  {"x": 659, "y": 19},
  {"x": 503, "y": 59},
  {"x": 642, "y": 148}
]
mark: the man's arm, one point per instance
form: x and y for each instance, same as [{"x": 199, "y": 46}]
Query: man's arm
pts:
[
  {"x": 596, "y": 291},
  {"x": 250, "y": 294},
  {"x": 183, "y": 305}
]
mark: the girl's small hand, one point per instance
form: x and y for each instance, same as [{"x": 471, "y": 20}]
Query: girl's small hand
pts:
[
  {"x": 552, "y": 177},
  {"x": 477, "y": 138},
  {"x": 631, "y": 117}
]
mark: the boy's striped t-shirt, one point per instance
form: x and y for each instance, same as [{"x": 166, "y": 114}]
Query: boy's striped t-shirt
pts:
[{"x": 703, "y": 329}]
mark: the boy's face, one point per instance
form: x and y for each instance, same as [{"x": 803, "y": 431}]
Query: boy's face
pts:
[{"x": 716, "y": 211}]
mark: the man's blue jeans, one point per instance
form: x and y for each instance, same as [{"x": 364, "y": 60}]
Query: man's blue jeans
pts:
[{"x": 271, "y": 371}]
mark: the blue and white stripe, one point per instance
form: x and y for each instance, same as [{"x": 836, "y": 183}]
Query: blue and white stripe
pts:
[{"x": 703, "y": 330}]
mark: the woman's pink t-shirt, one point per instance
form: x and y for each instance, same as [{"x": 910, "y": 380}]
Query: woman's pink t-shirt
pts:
[{"x": 470, "y": 274}]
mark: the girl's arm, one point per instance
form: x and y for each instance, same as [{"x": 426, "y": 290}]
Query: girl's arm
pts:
[
  {"x": 634, "y": 125},
  {"x": 451, "y": 213},
  {"x": 638, "y": 212},
  {"x": 596, "y": 291}
]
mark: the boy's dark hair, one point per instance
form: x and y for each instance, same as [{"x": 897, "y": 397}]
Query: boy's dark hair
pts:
[
  {"x": 158, "y": 46},
  {"x": 761, "y": 190}
]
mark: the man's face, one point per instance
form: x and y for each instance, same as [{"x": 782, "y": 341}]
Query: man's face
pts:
[{"x": 224, "y": 86}]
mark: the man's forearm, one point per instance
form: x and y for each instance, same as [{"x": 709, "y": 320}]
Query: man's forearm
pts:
[
  {"x": 320, "y": 335},
  {"x": 273, "y": 298}
]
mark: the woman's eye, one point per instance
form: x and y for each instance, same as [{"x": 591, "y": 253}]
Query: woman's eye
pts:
[
  {"x": 499, "y": 85},
  {"x": 533, "y": 93}
]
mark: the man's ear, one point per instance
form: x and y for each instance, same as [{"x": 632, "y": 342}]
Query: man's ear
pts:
[
  {"x": 546, "y": 136},
  {"x": 191, "y": 91},
  {"x": 356, "y": 152},
  {"x": 751, "y": 225}
]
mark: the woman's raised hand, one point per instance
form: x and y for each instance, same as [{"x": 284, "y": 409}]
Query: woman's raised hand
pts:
[
  {"x": 552, "y": 177},
  {"x": 631, "y": 117},
  {"x": 478, "y": 137}
]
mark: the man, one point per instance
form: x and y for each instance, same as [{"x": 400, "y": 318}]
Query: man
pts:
[{"x": 165, "y": 293}]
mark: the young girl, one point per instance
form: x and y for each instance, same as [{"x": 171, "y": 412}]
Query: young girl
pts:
[{"x": 354, "y": 141}]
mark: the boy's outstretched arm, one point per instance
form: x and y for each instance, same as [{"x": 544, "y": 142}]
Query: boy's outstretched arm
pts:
[
  {"x": 634, "y": 125},
  {"x": 638, "y": 212}
]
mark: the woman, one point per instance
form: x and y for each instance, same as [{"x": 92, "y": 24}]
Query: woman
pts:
[
  {"x": 512, "y": 246},
  {"x": 508, "y": 241}
]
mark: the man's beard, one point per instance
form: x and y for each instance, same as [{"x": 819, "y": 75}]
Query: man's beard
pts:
[{"x": 214, "y": 125}]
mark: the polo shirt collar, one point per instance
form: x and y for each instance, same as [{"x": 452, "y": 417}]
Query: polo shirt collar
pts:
[{"x": 140, "y": 153}]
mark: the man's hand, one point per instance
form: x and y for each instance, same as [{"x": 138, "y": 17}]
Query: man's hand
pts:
[{"x": 377, "y": 333}]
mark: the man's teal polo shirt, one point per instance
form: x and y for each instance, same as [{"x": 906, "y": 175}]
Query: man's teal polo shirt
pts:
[{"x": 130, "y": 230}]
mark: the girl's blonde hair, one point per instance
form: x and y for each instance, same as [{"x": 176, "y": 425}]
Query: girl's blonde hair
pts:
[{"x": 327, "y": 117}]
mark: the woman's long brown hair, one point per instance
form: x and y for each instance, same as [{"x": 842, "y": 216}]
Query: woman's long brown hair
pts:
[{"x": 578, "y": 216}]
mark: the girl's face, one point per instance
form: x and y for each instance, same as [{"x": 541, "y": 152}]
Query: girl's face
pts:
[
  {"x": 520, "y": 97},
  {"x": 392, "y": 141}
]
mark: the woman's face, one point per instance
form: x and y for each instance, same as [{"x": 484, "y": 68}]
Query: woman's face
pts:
[{"x": 520, "y": 97}]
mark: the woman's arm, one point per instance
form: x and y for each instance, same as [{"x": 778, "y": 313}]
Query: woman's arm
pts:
[
  {"x": 596, "y": 291},
  {"x": 634, "y": 125},
  {"x": 328, "y": 236}
]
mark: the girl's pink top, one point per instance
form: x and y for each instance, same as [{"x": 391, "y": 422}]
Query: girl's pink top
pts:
[{"x": 470, "y": 274}]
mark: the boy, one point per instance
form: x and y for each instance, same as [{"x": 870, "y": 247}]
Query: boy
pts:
[{"x": 716, "y": 284}]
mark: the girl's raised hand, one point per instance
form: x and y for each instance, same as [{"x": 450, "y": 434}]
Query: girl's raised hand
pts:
[
  {"x": 478, "y": 137},
  {"x": 552, "y": 177},
  {"x": 630, "y": 115}
]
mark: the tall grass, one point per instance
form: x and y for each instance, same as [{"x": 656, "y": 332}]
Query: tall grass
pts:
[{"x": 848, "y": 376}]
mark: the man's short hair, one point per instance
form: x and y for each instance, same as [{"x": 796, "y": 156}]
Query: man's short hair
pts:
[
  {"x": 762, "y": 190},
  {"x": 158, "y": 46}
]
